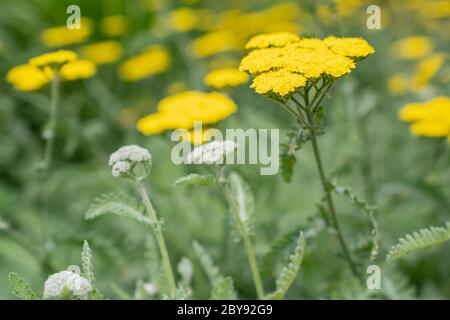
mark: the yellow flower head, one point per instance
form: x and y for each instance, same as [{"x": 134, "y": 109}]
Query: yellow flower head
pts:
[
  {"x": 53, "y": 58},
  {"x": 225, "y": 77},
  {"x": 280, "y": 82},
  {"x": 78, "y": 69},
  {"x": 113, "y": 26},
  {"x": 184, "y": 19},
  {"x": 280, "y": 39},
  {"x": 413, "y": 47},
  {"x": 349, "y": 47},
  {"x": 426, "y": 69},
  {"x": 284, "y": 64},
  {"x": 103, "y": 52},
  {"x": 181, "y": 111},
  {"x": 215, "y": 42},
  {"x": 398, "y": 84},
  {"x": 26, "y": 77},
  {"x": 152, "y": 61},
  {"x": 429, "y": 119},
  {"x": 62, "y": 36}
]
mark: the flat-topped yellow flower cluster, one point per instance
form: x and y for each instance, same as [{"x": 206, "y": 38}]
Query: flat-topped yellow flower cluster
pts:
[
  {"x": 428, "y": 119},
  {"x": 182, "y": 110},
  {"x": 281, "y": 63}
]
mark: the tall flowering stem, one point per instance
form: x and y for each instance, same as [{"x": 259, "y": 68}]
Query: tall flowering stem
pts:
[
  {"x": 307, "y": 118},
  {"x": 49, "y": 132}
]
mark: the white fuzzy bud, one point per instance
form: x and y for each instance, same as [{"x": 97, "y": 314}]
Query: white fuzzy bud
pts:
[
  {"x": 132, "y": 153},
  {"x": 120, "y": 167},
  {"x": 57, "y": 283},
  {"x": 211, "y": 153}
]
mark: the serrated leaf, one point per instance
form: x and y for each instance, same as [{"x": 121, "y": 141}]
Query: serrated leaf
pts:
[
  {"x": 222, "y": 287},
  {"x": 86, "y": 262},
  {"x": 289, "y": 273},
  {"x": 421, "y": 239},
  {"x": 368, "y": 209},
  {"x": 118, "y": 204},
  {"x": 243, "y": 197},
  {"x": 21, "y": 289},
  {"x": 195, "y": 179}
]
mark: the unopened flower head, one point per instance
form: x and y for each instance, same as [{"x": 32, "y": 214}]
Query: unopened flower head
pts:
[
  {"x": 125, "y": 158},
  {"x": 64, "y": 282},
  {"x": 211, "y": 153}
]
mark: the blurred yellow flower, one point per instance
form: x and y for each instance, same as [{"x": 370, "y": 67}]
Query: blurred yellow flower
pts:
[
  {"x": 113, "y": 26},
  {"x": 429, "y": 119},
  {"x": 184, "y": 19},
  {"x": 103, "y": 52},
  {"x": 26, "y": 77},
  {"x": 53, "y": 58},
  {"x": 280, "y": 39},
  {"x": 225, "y": 77},
  {"x": 398, "y": 84},
  {"x": 153, "y": 60},
  {"x": 426, "y": 69},
  {"x": 215, "y": 42},
  {"x": 181, "y": 111},
  {"x": 346, "y": 8},
  {"x": 62, "y": 36},
  {"x": 281, "y": 82},
  {"x": 413, "y": 47},
  {"x": 349, "y": 47},
  {"x": 78, "y": 69}
]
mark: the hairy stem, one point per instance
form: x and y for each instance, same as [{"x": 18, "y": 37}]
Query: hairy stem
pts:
[
  {"x": 49, "y": 133},
  {"x": 247, "y": 242},
  {"x": 159, "y": 238}
]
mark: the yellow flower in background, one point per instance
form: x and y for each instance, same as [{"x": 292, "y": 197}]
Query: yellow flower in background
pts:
[
  {"x": 413, "y": 47},
  {"x": 113, "y": 26},
  {"x": 428, "y": 119},
  {"x": 26, "y": 77},
  {"x": 153, "y": 60},
  {"x": 426, "y": 69},
  {"x": 78, "y": 69},
  {"x": 62, "y": 36},
  {"x": 215, "y": 42},
  {"x": 398, "y": 83},
  {"x": 181, "y": 111},
  {"x": 280, "y": 39},
  {"x": 283, "y": 63},
  {"x": 184, "y": 19},
  {"x": 53, "y": 58},
  {"x": 225, "y": 77},
  {"x": 103, "y": 52}
]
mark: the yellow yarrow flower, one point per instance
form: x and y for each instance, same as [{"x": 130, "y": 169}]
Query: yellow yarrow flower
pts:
[
  {"x": 429, "y": 119},
  {"x": 53, "y": 58},
  {"x": 62, "y": 36},
  {"x": 103, "y": 52},
  {"x": 78, "y": 69},
  {"x": 184, "y": 19},
  {"x": 225, "y": 77},
  {"x": 152, "y": 61},
  {"x": 26, "y": 77},
  {"x": 426, "y": 69},
  {"x": 215, "y": 42},
  {"x": 181, "y": 111},
  {"x": 280, "y": 82},
  {"x": 349, "y": 47},
  {"x": 280, "y": 39},
  {"x": 113, "y": 26},
  {"x": 413, "y": 47}
]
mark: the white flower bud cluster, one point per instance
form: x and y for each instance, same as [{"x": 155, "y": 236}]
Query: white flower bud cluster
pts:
[
  {"x": 125, "y": 157},
  {"x": 211, "y": 153},
  {"x": 56, "y": 283}
]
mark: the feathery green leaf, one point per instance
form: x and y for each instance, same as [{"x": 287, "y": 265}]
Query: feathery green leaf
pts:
[{"x": 21, "y": 289}]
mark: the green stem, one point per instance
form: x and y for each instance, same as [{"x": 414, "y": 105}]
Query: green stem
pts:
[
  {"x": 247, "y": 242},
  {"x": 159, "y": 238},
  {"x": 49, "y": 133},
  {"x": 328, "y": 196}
]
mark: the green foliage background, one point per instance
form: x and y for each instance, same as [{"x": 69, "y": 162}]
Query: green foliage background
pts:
[{"x": 365, "y": 147}]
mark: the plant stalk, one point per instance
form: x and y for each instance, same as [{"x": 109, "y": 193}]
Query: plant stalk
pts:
[
  {"x": 49, "y": 133},
  {"x": 159, "y": 238}
]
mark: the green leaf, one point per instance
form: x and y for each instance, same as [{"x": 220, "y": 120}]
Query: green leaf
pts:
[
  {"x": 222, "y": 287},
  {"x": 289, "y": 273},
  {"x": 368, "y": 209},
  {"x": 421, "y": 239},
  {"x": 195, "y": 179},
  {"x": 118, "y": 204},
  {"x": 21, "y": 289},
  {"x": 86, "y": 262},
  {"x": 243, "y": 197}
]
